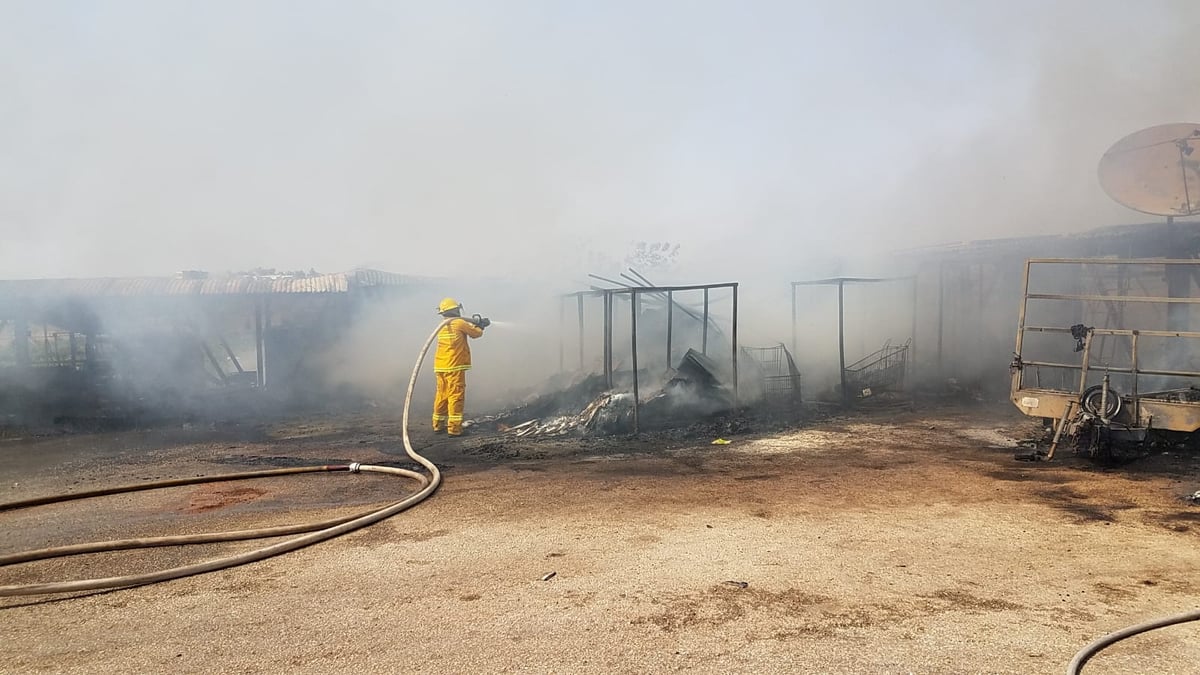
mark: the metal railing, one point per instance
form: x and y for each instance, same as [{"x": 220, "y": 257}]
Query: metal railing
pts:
[{"x": 882, "y": 369}]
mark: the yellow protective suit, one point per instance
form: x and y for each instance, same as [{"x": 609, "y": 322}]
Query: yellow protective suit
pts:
[{"x": 450, "y": 365}]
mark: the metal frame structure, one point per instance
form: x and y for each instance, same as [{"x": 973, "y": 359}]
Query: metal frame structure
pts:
[
  {"x": 635, "y": 294},
  {"x": 841, "y": 282},
  {"x": 1144, "y": 410}
]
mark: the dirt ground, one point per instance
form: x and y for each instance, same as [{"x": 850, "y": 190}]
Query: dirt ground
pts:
[{"x": 882, "y": 543}]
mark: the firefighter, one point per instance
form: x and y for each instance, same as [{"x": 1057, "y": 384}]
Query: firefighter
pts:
[{"x": 450, "y": 366}]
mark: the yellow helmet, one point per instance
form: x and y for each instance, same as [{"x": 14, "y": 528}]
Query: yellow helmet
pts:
[{"x": 448, "y": 304}]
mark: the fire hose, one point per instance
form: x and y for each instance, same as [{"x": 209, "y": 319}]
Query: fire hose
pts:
[
  {"x": 1076, "y": 665},
  {"x": 316, "y": 532},
  {"x": 324, "y": 530}
]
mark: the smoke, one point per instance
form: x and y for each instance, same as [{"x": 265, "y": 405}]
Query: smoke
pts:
[
  {"x": 375, "y": 354},
  {"x": 527, "y": 140},
  {"x": 1061, "y": 91}
]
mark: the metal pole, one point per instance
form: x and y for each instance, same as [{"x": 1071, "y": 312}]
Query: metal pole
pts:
[
  {"x": 793, "y": 317},
  {"x": 21, "y": 339},
  {"x": 633, "y": 305},
  {"x": 260, "y": 370},
  {"x": 1019, "y": 373},
  {"x": 842, "y": 339},
  {"x": 941, "y": 314},
  {"x": 89, "y": 349},
  {"x": 1085, "y": 364},
  {"x": 562, "y": 329},
  {"x": 912, "y": 345},
  {"x": 212, "y": 358},
  {"x": 636, "y": 299},
  {"x": 704, "y": 341},
  {"x": 670, "y": 323},
  {"x": 232, "y": 357},
  {"x": 1133, "y": 356},
  {"x": 735, "y": 346},
  {"x": 579, "y": 306},
  {"x": 1179, "y": 285},
  {"x": 608, "y": 351}
]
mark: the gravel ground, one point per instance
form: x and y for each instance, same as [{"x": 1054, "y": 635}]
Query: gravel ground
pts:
[{"x": 906, "y": 543}]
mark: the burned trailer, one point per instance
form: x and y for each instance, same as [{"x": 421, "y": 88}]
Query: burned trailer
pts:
[{"x": 1113, "y": 364}]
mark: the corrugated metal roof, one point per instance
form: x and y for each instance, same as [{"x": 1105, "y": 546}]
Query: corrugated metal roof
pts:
[
  {"x": 1056, "y": 244},
  {"x": 343, "y": 282}
]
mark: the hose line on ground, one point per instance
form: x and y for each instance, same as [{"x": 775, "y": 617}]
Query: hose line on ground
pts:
[
  {"x": 1076, "y": 665},
  {"x": 316, "y": 532}
]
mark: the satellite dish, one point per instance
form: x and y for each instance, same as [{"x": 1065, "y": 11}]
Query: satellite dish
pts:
[{"x": 1155, "y": 170}]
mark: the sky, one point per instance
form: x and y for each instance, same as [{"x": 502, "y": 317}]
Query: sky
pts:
[{"x": 535, "y": 138}]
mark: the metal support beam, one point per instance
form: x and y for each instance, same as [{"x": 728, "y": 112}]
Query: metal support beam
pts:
[
  {"x": 734, "y": 348},
  {"x": 259, "y": 344},
  {"x": 912, "y": 345},
  {"x": 794, "y": 318},
  {"x": 232, "y": 357},
  {"x": 608, "y": 336},
  {"x": 842, "y": 339},
  {"x": 670, "y": 324},
  {"x": 636, "y": 300},
  {"x": 633, "y": 312},
  {"x": 941, "y": 316},
  {"x": 21, "y": 340},
  {"x": 1133, "y": 369},
  {"x": 1019, "y": 373},
  {"x": 579, "y": 306},
  {"x": 212, "y": 358},
  {"x": 704, "y": 341},
  {"x": 89, "y": 350}
]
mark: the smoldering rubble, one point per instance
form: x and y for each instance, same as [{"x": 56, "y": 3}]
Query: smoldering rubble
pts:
[{"x": 697, "y": 387}]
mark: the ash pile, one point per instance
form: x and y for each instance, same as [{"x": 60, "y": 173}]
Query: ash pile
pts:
[{"x": 697, "y": 387}]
